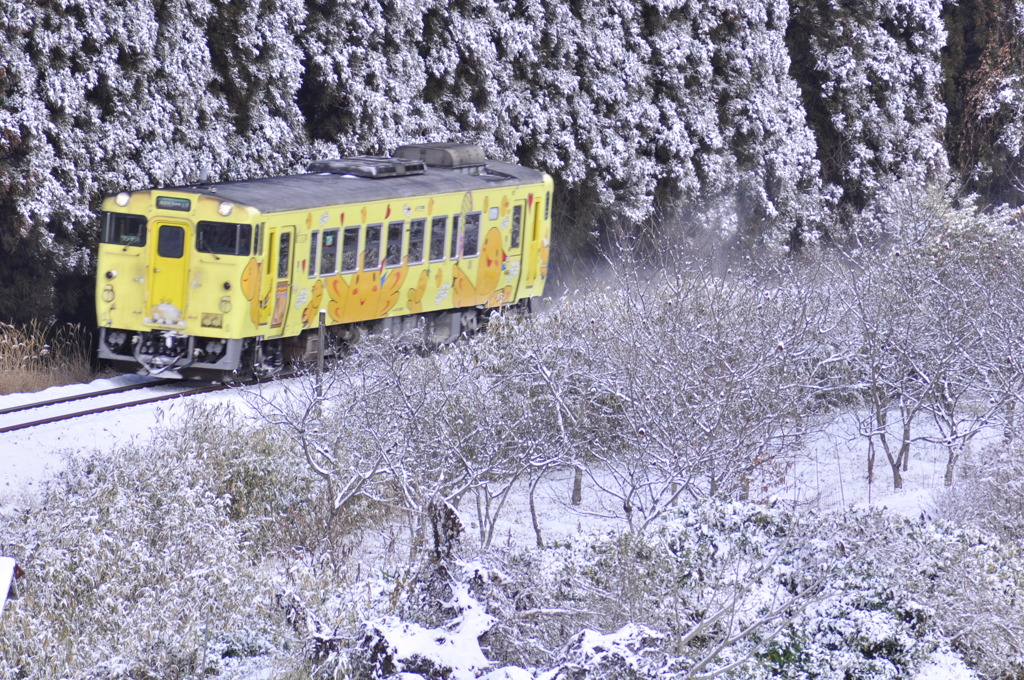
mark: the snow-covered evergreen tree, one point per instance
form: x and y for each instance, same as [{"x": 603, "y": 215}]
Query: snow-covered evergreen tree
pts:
[
  {"x": 871, "y": 78},
  {"x": 987, "y": 103},
  {"x": 750, "y": 121}
]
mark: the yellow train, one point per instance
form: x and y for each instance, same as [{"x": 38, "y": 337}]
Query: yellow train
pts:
[{"x": 229, "y": 278}]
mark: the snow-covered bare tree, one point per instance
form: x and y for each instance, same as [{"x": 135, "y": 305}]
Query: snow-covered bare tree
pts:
[{"x": 931, "y": 312}]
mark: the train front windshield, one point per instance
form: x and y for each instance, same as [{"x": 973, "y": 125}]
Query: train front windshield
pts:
[{"x": 124, "y": 230}]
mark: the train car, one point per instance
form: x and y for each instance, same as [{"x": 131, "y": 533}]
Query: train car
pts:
[{"x": 217, "y": 280}]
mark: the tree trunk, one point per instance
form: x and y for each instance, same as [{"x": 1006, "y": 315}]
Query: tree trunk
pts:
[
  {"x": 871, "y": 461},
  {"x": 905, "y": 445},
  {"x": 1008, "y": 422},
  {"x": 951, "y": 460},
  {"x": 897, "y": 475},
  {"x": 577, "y": 487},
  {"x": 533, "y": 512}
]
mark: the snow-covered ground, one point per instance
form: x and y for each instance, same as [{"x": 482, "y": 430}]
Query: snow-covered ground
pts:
[
  {"x": 829, "y": 473},
  {"x": 29, "y": 456}
]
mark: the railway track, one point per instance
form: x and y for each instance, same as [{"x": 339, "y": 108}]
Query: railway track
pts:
[{"x": 86, "y": 411}]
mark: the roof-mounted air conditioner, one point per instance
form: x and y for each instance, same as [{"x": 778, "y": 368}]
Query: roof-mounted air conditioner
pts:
[
  {"x": 468, "y": 158},
  {"x": 374, "y": 167}
]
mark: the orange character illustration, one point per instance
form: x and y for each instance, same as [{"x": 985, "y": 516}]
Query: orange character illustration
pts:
[
  {"x": 492, "y": 265},
  {"x": 371, "y": 295},
  {"x": 312, "y": 309},
  {"x": 251, "y": 276},
  {"x": 415, "y": 295},
  {"x": 538, "y": 261},
  {"x": 463, "y": 290}
]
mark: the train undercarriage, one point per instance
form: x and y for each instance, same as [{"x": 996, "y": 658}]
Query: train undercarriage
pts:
[{"x": 171, "y": 354}]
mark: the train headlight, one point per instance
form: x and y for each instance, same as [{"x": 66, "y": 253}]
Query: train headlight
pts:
[
  {"x": 116, "y": 340},
  {"x": 225, "y": 304},
  {"x": 213, "y": 320},
  {"x": 108, "y": 294},
  {"x": 224, "y": 208},
  {"x": 112, "y": 274},
  {"x": 122, "y": 199}
]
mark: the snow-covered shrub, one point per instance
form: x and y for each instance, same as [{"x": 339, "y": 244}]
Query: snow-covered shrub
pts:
[
  {"x": 631, "y": 653},
  {"x": 451, "y": 650},
  {"x": 148, "y": 561},
  {"x": 764, "y": 591},
  {"x": 989, "y": 492}
]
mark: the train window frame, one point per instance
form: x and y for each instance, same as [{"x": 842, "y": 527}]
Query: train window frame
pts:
[
  {"x": 456, "y": 249},
  {"x": 373, "y": 240},
  {"x": 517, "y": 225},
  {"x": 223, "y": 238},
  {"x": 314, "y": 246},
  {"x": 471, "y": 235},
  {"x": 417, "y": 240},
  {"x": 284, "y": 245},
  {"x": 120, "y": 236},
  {"x": 329, "y": 248},
  {"x": 439, "y": 247},
  {"x": 165, "y": 247},
  {"x": 350, "y": 249},
  {"x": 393, "y": 254}
]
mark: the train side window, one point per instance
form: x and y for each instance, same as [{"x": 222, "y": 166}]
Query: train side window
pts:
[
  {"x": 313, "y": 243},
  {"x": 471, "y": 240},
  {"x": 456, "y": 237},
  {"x": 393, "y": 257},
  {"x": 438, "y": 238},
  {"x": 223, "y": 238},
  {"x": 284, "y": 253},
  {"x": 329, "y": 253},
  {"x": 170, "y": 241},
  {"x": 547, "y": 205},
  {"x": 350, "y": 250},
  {"x": 371, "y": 252},
  {"x": 124, "y": 230},
  {"x": 417, "y": 235},
  {"x": 257, "y": 247},
  {"x": 517, "y": 224}
]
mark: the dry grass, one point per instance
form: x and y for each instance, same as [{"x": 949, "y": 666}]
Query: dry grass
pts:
[{"x": 36, "y": 356}]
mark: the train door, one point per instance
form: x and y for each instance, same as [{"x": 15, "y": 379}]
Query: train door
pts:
[
  {"x": 279, "y": 268},
  {"x": 517, "y": 234},
  {"x": 530, "y": 267},
  {"x": 168, "y": 282}
]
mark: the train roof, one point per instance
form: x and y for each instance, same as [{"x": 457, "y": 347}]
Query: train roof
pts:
[{"x": 322, "y": 189}]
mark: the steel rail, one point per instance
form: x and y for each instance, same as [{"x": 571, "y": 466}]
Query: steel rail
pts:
[
  {"x": 87, "y": 395},
  {"x": 113, "y": 407}
]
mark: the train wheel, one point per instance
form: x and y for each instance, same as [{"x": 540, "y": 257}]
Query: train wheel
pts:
[{"x": 267, "y": 358}]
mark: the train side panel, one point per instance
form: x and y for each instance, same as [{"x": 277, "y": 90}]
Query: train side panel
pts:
[{"x": 385, "y": 259}]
